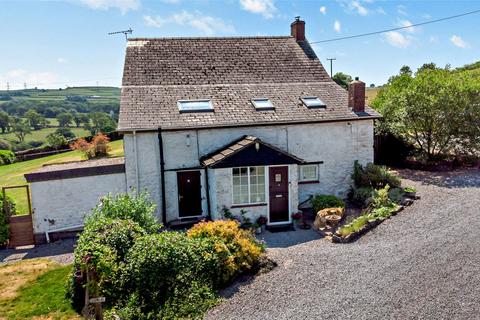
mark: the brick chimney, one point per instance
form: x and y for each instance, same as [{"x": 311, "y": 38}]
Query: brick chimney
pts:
[
  {"x": 356, "y": 95},
  {"x": 298, "y": 29}
]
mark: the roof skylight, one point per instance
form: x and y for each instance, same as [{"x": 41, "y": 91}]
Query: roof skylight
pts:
[
  {"x": 263, "y": 104},
  {"x": 204, "y": 105},
  {"x": 313, "y": 102}
]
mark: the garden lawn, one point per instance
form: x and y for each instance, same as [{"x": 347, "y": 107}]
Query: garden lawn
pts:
[
  {"x": 34, "y": 288},
  {"x": 41, "y": 135},
  {"x": 12, "y": 174}
]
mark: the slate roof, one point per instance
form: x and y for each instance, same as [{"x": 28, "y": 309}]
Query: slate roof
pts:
[
  {"x": 236, "y": 147},
  {"x": 230, "y": 72}
]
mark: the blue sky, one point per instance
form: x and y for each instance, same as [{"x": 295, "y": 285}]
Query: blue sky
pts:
[{"x": 52, "y": 44}]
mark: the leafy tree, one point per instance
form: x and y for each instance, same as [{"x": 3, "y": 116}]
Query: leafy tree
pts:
[
  {"x": 56, "y": 141},
  {"x": 428, "y": 66},
  {"x": 64, "y": 119},
  {"x": 81, "y": 118},
  {"x": 101, "y": 123},
  {"x": 342, "y": 79},
  {"x": 4, "y": 121},
  {"x": 35, "y": 120},
  {"x": 65, "y": 132},
  {"x": 21, "y": 129},
  {"x": 436, "y": 110},
  {"x": 406, "y": 70}
]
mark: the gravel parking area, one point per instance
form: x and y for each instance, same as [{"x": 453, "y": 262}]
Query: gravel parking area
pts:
[
  {"x": 422, "y": 264},
  {"x": 60, "y": 251}
]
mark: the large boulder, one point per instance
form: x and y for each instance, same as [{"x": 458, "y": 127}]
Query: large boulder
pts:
[{"x": 321, "y": 222}]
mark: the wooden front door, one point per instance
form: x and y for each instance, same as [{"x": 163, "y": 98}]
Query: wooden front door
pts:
[
  {"x": 278, "y": 182},
  {"x": 189, "y": 193}
]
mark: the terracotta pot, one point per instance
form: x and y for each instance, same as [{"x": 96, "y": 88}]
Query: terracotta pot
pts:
[{"x": 333, "y": 220}]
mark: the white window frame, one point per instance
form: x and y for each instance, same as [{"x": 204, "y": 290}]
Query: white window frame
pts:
[
  {"x": 300, "y": 172},
  {"x": 317, "y": 104},
  {"x": 248, "y": 185},
  {"x": 260, "y": 108},
  {"x": 181, "y": 102}
]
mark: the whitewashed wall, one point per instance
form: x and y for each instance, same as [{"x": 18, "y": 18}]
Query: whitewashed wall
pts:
[
  {"x": 337, "y": 144},
  {"x": 65, "y": 202}
]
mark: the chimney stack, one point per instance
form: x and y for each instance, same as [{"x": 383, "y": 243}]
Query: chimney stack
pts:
[
  {"x": 298, "y": 29},
  {"x": 356, "y": 95}
]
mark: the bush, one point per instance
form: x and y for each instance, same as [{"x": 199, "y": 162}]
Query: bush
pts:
[
  {"x": 5, "y": 145},
  {"x": 95, "y": 149},
  {"x": 137, "y": 207},
  {"x": 6, "y": 157},
  {"x": 238, "y": 249},
  {"x": 56, "y": 141},
  {"x": 359, "y": 196},
  {"x": 21, "y": 146},
  {"x": 373, "y": 176},
  {"x": 4, "y": 228},
  {"x": 396, "y": 195},
  {"x": 35, "y": 143},
  {"x": 322, "y": 201},
  {"x": 67, "y": 133}
]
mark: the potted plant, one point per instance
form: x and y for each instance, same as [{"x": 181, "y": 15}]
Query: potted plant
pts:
[
  {"x": 262, "y": 222},
  {"x": 410, "y": 192},
  {"x": 296, "y": 217}
]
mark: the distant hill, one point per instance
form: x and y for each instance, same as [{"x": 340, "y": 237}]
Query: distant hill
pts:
[
  {"x": 471, "y": 66},
  {"x": 103, "y": 95}
]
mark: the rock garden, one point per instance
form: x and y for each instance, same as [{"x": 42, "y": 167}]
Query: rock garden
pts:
[{"x": 375, "y": 195}]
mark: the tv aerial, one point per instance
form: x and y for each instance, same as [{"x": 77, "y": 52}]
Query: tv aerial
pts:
[{"x": 125, "y": 32}]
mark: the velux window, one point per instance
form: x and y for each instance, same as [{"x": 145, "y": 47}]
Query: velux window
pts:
[
  {"x": 248, "y": 185},
  {"x": 313, "y": 102},
  {"x": 308, "y": 173},
  {"x": 263, "y": 104},
  {"x": 204, "y": 105}
]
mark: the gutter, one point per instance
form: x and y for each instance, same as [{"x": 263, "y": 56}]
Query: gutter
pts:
[
  {"x": 136, "y": 160},
  {"x": 207, "y": 191},
  {"x": 162, "y": 176}
]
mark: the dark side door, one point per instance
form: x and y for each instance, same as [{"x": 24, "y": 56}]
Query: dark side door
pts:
[
  {"x": 278, "y": 181},
  {"x": 189, "y": 193}
]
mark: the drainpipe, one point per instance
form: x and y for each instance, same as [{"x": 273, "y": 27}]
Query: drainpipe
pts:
[
  {"x": 162, "y": 176},
  {"x": 136, "y": 160}
]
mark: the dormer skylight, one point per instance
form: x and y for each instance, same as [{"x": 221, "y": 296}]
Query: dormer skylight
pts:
[
  {"x": 313, "y": 102},
  {"x": 262, "y": 104},
  {"x": 203, "y": 105}
]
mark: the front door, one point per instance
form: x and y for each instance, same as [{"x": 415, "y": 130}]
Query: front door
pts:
[
  {"x": 278, "y": 181},
  {"x": 189, "y": 194}
]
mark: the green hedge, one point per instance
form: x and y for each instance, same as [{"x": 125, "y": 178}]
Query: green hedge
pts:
[
  {"x": 6, "y": 157},
  {"x": 4, "y": 228},
  {"x": 323, "y": 201}
]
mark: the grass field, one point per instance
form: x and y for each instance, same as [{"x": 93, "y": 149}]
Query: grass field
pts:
[
  {"x": 12, "y": 174},
  {"x": 370, "y": 94},
  {"x": 34, "y": 289},
  {"x": 40, "y": 135}
]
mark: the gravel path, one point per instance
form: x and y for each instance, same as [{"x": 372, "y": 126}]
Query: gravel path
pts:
[
  {"x": 60, "y": 251},
  {"x": 423, "y": 263}
]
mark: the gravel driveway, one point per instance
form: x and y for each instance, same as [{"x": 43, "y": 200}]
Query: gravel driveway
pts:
[{"x": 423, "y": 263}]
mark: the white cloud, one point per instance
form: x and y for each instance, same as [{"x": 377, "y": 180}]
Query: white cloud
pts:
[
  {"x": 323, "y": 10},
  {"x": 357, "y": 6},
  {"x": 208, "y": 25},
  {"x": 406, "y": 23},
  {"x": 459, "y": 42},
  {"x": 337, "y": 26},
  {"x": 380, "y": 10},
  {"x": 17, "y": 77},
  {"x": 62, "y": 60},
  {"x": 264, "y": 7},
  {"x": 397, "y": 39},
  {"x": 401, "y": 9},
  {"x": 122, "y": 5}
]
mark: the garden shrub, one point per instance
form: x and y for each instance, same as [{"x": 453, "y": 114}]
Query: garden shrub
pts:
[
  {"x": 373, "y": 176},
  {"x": 6, "y": 157},
  {"x": 4, "y": 227},
  {"x": 95, "y": 149},
  {"x": 135, "y": 206},
  {"x": 323, "y": 201},
  {"x": 5, "y": 145},
  {"x": 21, "y": 146},
  {"x": 396, "y": 194},
  {"x": 359, "y": 196},
  {"x": 237, "y": 248},
  {"x": 35, "y": 143}
]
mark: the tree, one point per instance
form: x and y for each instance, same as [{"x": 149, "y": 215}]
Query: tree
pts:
[
  {"x": 406, "y": 70},
  {"x": 56, "y": 141},
  {"x": 65, "y": 132},
  {"x": 4, "y": 121},
  {"x": 342, "y": 79},
  {"x": 21, "y": 129},
  {"x": 101, "y": 123},
  {"x": 35, "y": 119},
  {"x": 437, "y": 110},
  {"x": 81, "y": 118},
  {"x": 64, "y": 119}
]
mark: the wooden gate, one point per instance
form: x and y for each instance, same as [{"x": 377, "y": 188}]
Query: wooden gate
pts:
[{"x": 21, "y": 226}]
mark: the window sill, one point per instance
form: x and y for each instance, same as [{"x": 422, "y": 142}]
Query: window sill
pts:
[
  {"x": 248, "y": 205},
  {"x": 309, "y": 182}
]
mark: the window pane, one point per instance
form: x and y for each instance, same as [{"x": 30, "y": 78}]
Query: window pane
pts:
[
  {"x": 194, "y": 105},
  {"x": 308, "y": 173}
]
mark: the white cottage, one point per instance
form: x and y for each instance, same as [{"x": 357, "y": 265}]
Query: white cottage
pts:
[{"x": 244, "y": 123}]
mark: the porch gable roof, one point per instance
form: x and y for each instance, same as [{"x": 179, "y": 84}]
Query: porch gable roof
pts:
[{"x": 244, "y": 152}]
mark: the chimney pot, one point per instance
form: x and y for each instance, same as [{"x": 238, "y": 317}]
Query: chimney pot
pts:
[
  {"x": 356, "y": 95},
  {"x": 297, "y": 29}
]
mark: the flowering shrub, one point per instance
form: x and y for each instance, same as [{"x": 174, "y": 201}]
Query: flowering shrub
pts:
[
  {"x": 237, "y": 249},
  {"x": 296, "y": 216},
  {"x": 95, "y": 149}
]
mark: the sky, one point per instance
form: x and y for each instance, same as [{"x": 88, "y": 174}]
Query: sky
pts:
[{"x": 54, "y": 44}]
